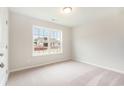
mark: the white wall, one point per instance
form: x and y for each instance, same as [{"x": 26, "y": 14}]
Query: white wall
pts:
[
  {"x": 3, "y": 43},
  {"x": 21, "y": 42},
  {"x": 101, "y": 42}
]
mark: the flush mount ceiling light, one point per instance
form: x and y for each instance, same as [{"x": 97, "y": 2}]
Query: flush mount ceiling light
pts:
[{"x": 67, "y": 10}]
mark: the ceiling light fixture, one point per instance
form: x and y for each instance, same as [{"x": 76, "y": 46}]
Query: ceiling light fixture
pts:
[{"x": 67, "y": 10}]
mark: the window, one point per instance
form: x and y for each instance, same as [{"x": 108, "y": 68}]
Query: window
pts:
[{"x": 46, "y": 41}]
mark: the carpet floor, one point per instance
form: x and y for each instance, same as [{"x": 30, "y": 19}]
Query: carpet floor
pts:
[{"x": 68, "y": 73}]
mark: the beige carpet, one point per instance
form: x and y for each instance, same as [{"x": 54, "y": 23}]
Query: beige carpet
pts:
[{"x": 65, "y": 73}]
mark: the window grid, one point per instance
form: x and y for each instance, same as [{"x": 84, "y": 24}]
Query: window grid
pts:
[{"x": 46, "y": 41}]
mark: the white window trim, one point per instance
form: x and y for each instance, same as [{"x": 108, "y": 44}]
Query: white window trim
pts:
[{"x": 43, "y": 54}]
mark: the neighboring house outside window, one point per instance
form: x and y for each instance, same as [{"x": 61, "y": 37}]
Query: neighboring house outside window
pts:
[{"x": 46, "y": 41}]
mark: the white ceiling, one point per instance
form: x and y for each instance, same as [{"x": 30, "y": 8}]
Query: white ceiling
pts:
[{"x": 78, "y": 16}]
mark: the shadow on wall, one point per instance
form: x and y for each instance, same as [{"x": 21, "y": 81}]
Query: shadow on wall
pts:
[{"x": 101, "y": 42}]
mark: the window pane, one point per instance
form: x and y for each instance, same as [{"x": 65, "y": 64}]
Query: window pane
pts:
[{"x": 55, "y": 42}]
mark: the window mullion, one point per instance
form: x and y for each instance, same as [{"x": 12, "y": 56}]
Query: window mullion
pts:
[{"x": 48, "y": 42}]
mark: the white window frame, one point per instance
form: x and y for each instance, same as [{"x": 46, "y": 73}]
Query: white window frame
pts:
[{"x": 49, "y": 30}]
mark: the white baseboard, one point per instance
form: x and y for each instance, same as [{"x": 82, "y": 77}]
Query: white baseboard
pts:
[
  {"x": 100, "y": 66},
  {"x": 78, "y": 60},
  {"x": 38, "y": 65}
]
